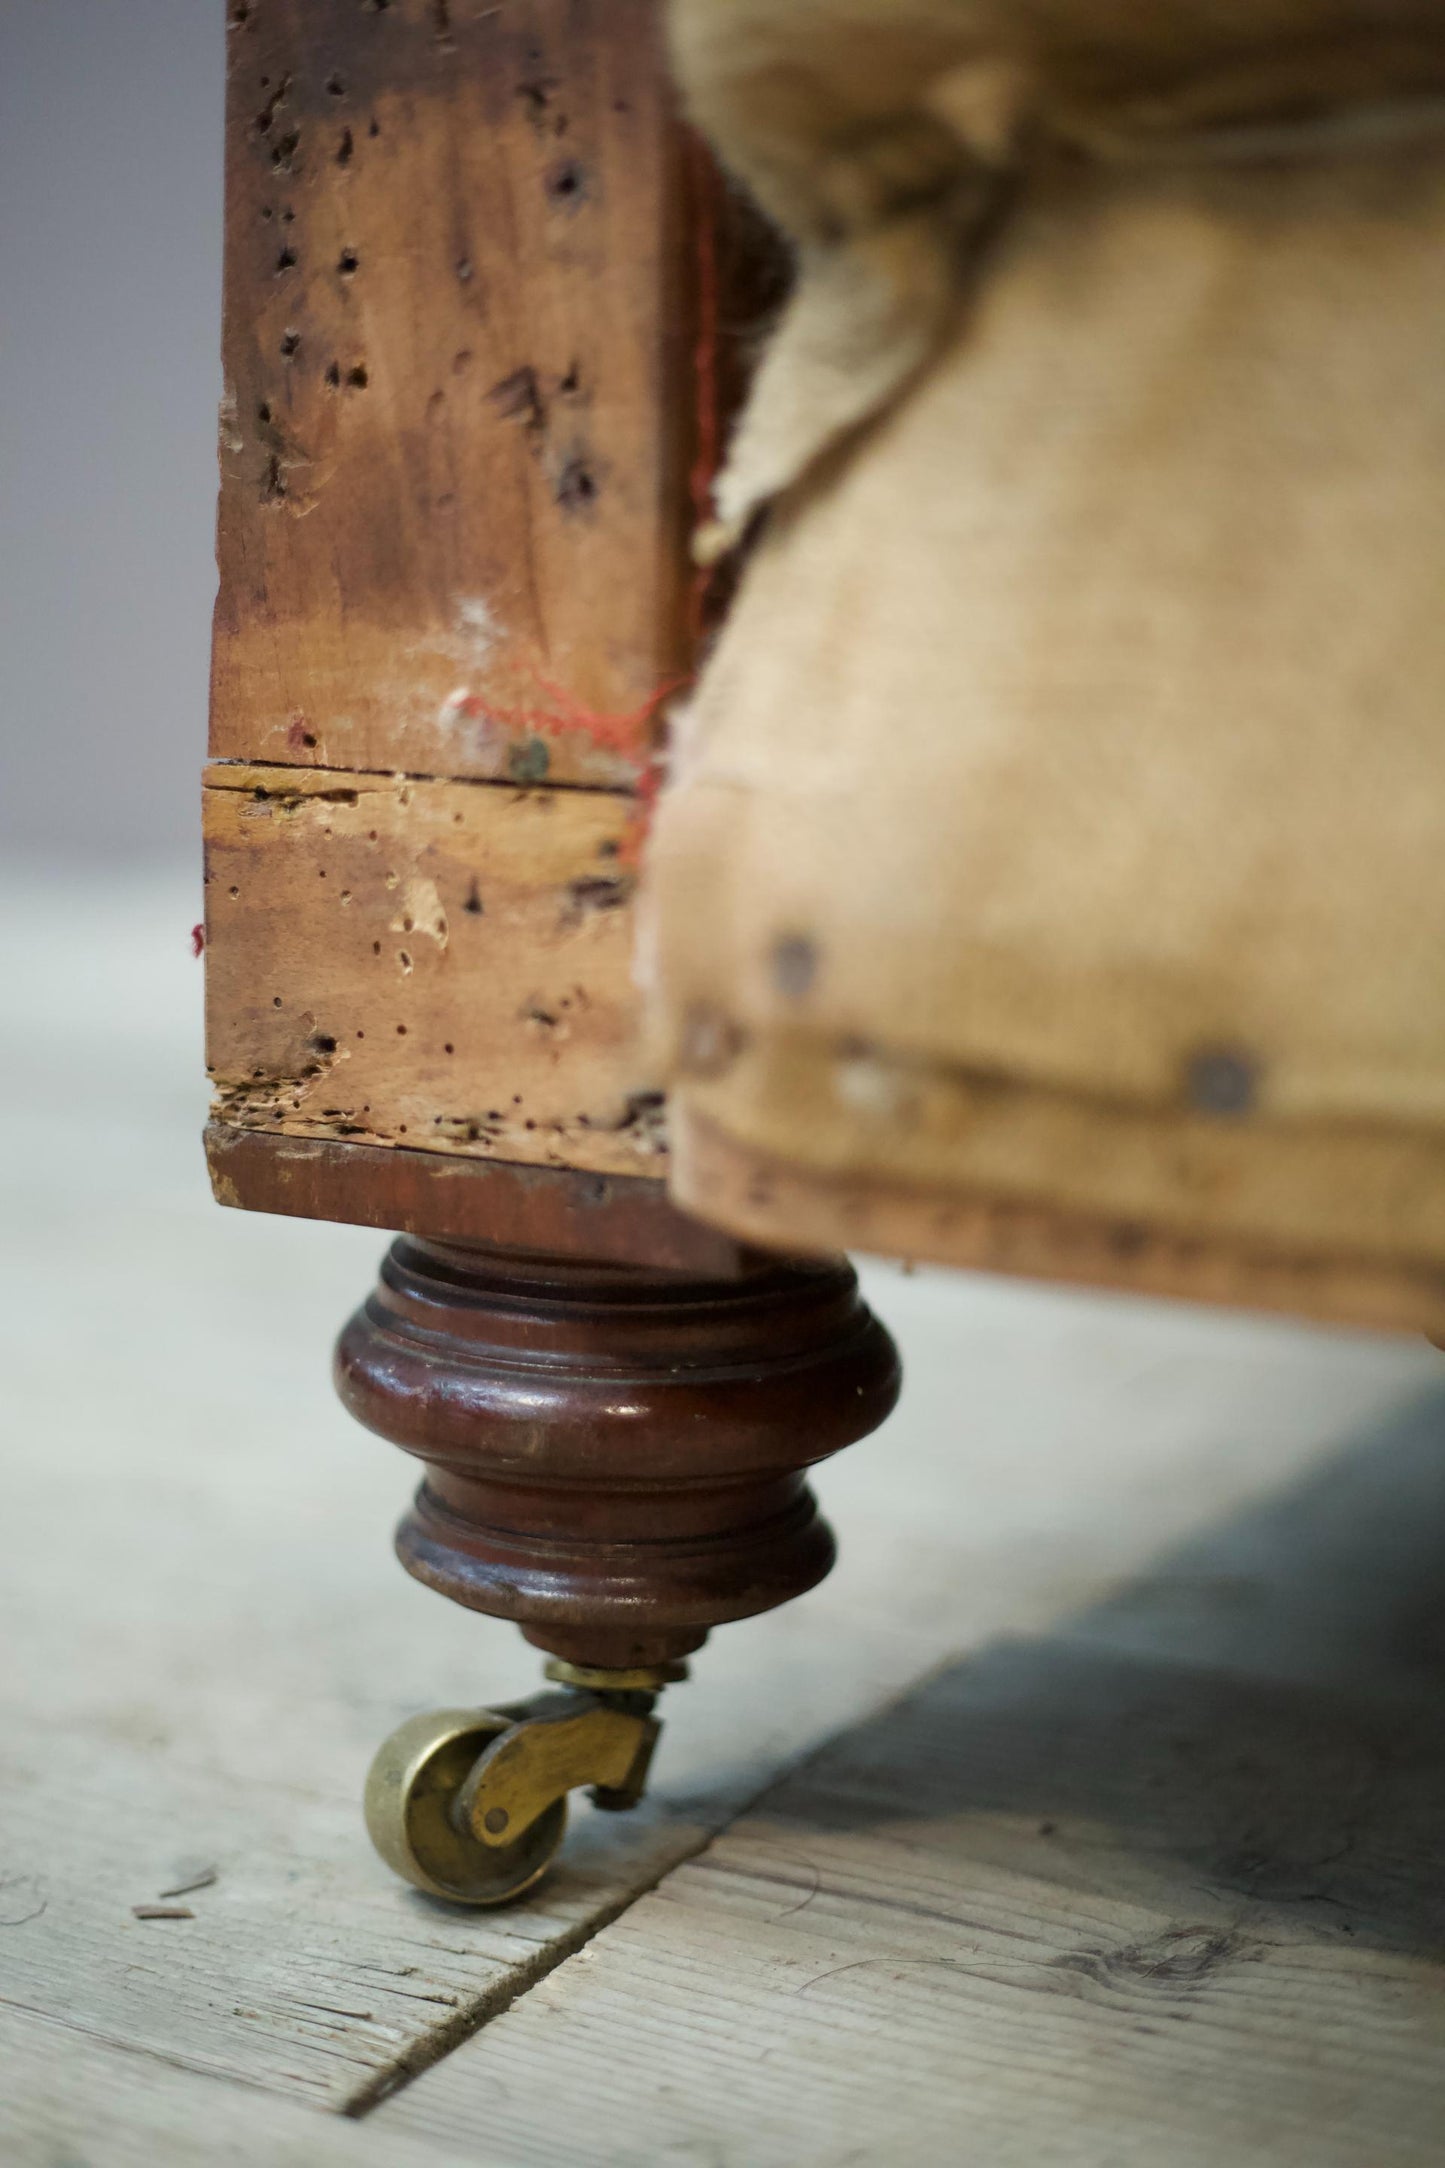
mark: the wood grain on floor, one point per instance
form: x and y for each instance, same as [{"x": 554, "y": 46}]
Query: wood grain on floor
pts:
[
  {"x": 71, "y": 2101},
  {"x": 206, "y": 1637},
  {"x": 1165, "y": 1885}
]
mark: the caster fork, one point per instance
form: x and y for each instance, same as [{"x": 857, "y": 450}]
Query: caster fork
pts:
[{"x": 471, "y": 1804}]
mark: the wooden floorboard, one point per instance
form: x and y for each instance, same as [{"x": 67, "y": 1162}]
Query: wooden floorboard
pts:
[
  {"x": 206, "y": 1637},
  {"x": 1163, "y": 1885},
  {"x": 71, "y": 2101}
]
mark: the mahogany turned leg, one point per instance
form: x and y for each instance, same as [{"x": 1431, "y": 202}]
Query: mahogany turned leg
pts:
[{"x": 615, "y": 1460}]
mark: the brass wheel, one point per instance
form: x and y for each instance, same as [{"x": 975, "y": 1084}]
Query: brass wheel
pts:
[{"x": 412, "y": 1793}]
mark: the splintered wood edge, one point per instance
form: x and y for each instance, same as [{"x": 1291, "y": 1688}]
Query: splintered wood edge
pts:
[
  {"x": 551, "y": 1211},
  {"x": 761, "y": 1199},
  {"x": 325, "y": 1021}
]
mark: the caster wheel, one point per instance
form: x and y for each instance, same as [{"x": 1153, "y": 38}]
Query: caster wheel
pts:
[{"x": 413, "y": 1792}]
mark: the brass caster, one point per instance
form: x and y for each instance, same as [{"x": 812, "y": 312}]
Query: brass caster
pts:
[{"x": 471, "y": 1804}]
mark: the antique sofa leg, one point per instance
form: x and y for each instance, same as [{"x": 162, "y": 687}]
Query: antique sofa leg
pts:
[{"x": 615, "y": 1460}]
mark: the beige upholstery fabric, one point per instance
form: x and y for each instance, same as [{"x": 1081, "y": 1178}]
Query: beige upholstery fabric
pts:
[
  {"x": 1062, "y": 817},
  {"x": 889, "y": 139}
]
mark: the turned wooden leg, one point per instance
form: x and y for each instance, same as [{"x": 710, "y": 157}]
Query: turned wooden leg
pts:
[{"x": 615, "y": 1460}]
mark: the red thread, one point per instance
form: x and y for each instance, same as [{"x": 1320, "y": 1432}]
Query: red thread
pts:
[
  {"x": 198, "y": 940},
  {"x": 629, "y": 734},
  {"x": 625, "y": 735}
]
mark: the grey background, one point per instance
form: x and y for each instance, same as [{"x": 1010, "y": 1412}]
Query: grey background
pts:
[{"x": 110, "y": 266}]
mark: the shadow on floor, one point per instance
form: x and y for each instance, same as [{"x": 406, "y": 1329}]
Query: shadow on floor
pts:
[{"x": 1258, "y": 1724}]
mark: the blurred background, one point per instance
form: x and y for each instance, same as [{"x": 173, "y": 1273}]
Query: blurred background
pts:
[{"x": 110, "y": 268}]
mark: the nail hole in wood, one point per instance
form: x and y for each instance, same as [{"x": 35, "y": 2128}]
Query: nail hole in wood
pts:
[
  {"x": 576, "y": 489},
  {"x": 566, "y": 184}
]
